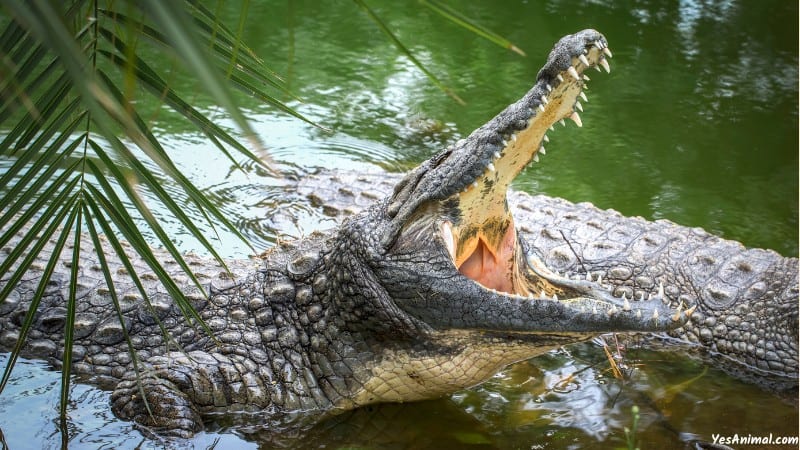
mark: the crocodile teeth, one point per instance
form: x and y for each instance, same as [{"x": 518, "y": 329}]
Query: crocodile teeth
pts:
[
  {"x": 612, "y": 311},
  {"x": 598, "y": 44},
  {"x": 583, "y": 97},
  {"x": 555, "y": 298},
  {"x": 573, "y": 73},
  {"x": 677, "y": 315},
  {"x": 661, "y": 289},
  {"x": 655, "y": 314},
  {"x": 600, "y": 279},
  {"x": 491, "y": 168},
  {"x": 545, "y": 138},
  {"x": 549, "y": 88},
  {"x": 578, "y": 106},
  {"x": 543, "y": 294},
  {"x": 449, "y": 241},
  {"x": 583, "y": 60},
  {"x": 541, "y": 107},
  {"x": 560, "y": 78},
  {"x": 586, "y": 77},
  {"x": 551, "y": 128},
  {"x": 475, "y": 183},
  {"x": 607, "y": 52},
  {"x": 497, "y": 154},
  {"x": 604, "y": 64},
  {"x": 576, "y": 118},
  {"x": 638, "y": 313},
  {"x": 536, "y": 158},
  {"x": 626, "y": 306},
  {"x": 589, "y": 276},
  {"x": 691, "y": 310},
  {"x": 542, "y": 150},
  {"x": 563, "y": 124},
  {"x": 544, "y": 99},
  {"x": 514, "y": 137}
]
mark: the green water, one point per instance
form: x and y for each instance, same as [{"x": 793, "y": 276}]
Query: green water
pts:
[{"x": 697, "y": 123}]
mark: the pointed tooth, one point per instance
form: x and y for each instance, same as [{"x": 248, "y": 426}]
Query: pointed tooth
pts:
[
  {"x": 588, "y": 276},
  {"x": 626, "y": 305},
  {"x": 655, "y": 314},
  {"x": 586, "y": 77},
  {"x": 612, "y": 311},
  {"x": 555, "y": 298},
  {"x": 607, "y": 51},
  {"x": 541, "y": 107},
  {"x": 598, "y": 44},
  {"x": 514, "y": 137},
  {"x": 576, "y": 118},
  {"x": 583, "y": 97},
  {"x": 594, "y": 308},
  {"x": 582, "y": 59},
  {"x": 475, "y": 183},
  {"x": 604, "y": 64},
  {"x": 600, "y": 279},
  {"x": 549, "y": 88},
  {"x": 449, "y": 240},
  {"x": 544, "y": 99},
  {"x": 677, "y": 316},
  {"x": 661, "y": 289},
  {"x": 543, "y": 294},
  {"x": 597, "y": 68},
  {"x": 491, "y": 168},
  {"x": 536, "y": 158},
  {"x": 542, "y": 150},
  {"x": 560, "y": 78},
  {"x": 578, "y": 106},
  {"x": 573, "y": 73},
  {"x": 691, "y": 310},
  {"x": 496, "y": 155},
  {"x": 551, "y": 128},
  {"x": 545, "y": 138},
  {"x": 505, "y": 144},
  {"x": 530, "y": 296},
  {"x": 563, "y": 124}
]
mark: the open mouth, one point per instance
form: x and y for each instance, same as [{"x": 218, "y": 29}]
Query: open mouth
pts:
[
  {"x": 482, "y": 242},
  {"x": 460, "y": 196}
]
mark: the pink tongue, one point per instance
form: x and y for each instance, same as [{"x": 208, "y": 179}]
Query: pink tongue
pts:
[{"x": 492, "y": 273}]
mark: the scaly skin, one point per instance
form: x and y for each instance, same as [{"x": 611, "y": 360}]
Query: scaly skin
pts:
[
  {"x": 747, "y": 316},
  {"x": 380, "y": 309}
]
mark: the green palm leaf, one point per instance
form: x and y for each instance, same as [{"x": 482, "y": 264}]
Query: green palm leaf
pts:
[{"x": 69, "y": 72}]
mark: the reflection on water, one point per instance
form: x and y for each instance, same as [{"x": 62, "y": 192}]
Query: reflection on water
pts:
[{"x": 564, "y": 399}]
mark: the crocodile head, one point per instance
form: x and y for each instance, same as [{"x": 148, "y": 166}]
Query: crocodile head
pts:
[
  {"x": 479, "y": 275},
  {"x": 459, "y": 295}
]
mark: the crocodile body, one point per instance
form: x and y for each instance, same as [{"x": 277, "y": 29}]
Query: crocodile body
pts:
[
  {"x": 747, "y": 318},
  {"x": 428, "y": 291}
]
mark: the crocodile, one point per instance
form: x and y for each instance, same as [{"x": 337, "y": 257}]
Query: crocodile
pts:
[{"x": 428, "y": 291}]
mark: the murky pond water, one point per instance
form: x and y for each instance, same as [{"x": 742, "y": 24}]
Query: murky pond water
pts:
[{"x": 697, "y": 123}]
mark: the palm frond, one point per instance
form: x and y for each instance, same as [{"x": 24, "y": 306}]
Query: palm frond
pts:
[{"x": 70, "y": 72}]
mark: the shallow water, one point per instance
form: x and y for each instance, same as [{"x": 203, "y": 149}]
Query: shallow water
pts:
[{"x": 697, "y": 123}]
